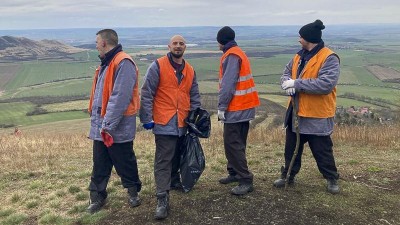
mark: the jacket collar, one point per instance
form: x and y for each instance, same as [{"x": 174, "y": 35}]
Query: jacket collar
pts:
[
  {"x": 229, "y": 45},
  {"x": 306, "y": 55},
  {"x": 110, "y": 55}
]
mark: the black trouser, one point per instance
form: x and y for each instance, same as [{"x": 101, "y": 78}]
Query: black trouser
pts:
[
  {"x": 119, "y": 155},
  {"x": 321, "y": 148},
  {"x": 235, "y": 139},
  {"x": 167, "y": 161}
]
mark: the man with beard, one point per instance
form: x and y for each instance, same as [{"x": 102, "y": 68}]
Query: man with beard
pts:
[
  {"x": 169, "y": 91},
  {"x": 311, "y": 78}
]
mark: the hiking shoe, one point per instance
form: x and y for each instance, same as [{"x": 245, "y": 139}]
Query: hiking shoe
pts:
[
  {"x": 96, "y": 202},
  {"x": 227, "y": 180},
  {"x": 333, "y": 186},
  {"x": 176, "y": 186},
  {"x": 162, "y": 206},
  {"x": 280, "y": 183},
  {"x": 242, "y": 189},
  {"x": 134, "y": 199}
]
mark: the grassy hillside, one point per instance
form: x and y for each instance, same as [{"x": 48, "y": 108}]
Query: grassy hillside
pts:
[{"x": 45, "y": 173}]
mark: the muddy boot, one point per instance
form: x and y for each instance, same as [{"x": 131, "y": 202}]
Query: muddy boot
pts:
[
  {"x": 134, "y": 199},
  {"x": 333, "y": 186},
  {"x": 242, "y": 189},
  {"x": 227, "y": 180},
  {"x": 280, "y": 183},
  {"x": 162, "y": 205},
  {"x": 96, "y": 202}
]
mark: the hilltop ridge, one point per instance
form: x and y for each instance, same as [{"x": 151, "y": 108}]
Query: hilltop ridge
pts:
[{"x": 22, "y": 49}]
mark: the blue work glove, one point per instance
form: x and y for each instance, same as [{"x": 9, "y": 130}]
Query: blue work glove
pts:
[{"x": 149, "y": 125}]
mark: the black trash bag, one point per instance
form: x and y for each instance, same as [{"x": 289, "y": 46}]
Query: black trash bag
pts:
[
  {"x": 199, "y": 123},
  {"x": 192, "y": 161}
]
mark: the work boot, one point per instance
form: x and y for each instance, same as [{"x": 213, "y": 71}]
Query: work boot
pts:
[
  {"x": 280, "y": 183},
  {"x": 229, "y": 179},
  {"x": 333, "y": 186},
  {"x": 242, "y": 189},
  {"x": 162, "y": 206},
  {"x": 176, "y": 186},
  {"x": 96, "y": 202},
  {"x": 134, "y": 199}
]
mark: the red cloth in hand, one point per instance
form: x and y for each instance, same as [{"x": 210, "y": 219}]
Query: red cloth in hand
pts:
[{"x": 107, "y": 138}]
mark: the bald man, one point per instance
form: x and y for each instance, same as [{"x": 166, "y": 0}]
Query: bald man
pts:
[{"x": 169, "y": 91}]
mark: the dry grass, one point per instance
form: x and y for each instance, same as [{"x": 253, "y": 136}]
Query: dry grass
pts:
[{"x": 44, "y": 178}]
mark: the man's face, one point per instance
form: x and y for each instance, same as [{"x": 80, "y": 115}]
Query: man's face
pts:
[
  {"x": 177, "y": 46},
  {"x": 100, "y": 46},
  {"x": 221, "y": 47},
  {"x": 304, "y": 43}
]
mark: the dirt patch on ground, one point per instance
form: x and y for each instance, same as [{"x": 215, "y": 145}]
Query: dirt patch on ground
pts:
[{"x": 304, "y": 203}]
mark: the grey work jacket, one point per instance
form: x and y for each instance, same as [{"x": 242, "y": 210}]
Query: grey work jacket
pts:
[
  {"x": 149, "y": 90},
  {"x": 122, "y": 128},
  {"x": 327, "y": 79},
  {"x": 231, "y": 68}
]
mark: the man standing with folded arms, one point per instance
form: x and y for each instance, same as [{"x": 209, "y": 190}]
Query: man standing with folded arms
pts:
[
  {"x": 237, "y": 100},
  {"x": 169, "y": 91},
  {"x": 113, "y": 105},
  {"x": 311, "y": 77}
]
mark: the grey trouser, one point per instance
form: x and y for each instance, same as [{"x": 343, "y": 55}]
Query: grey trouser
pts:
[
  {"x": 235, "y": 139},
  {"x": 166, "y": 161}
]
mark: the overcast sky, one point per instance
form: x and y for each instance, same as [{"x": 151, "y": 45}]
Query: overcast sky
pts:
[{"x": 36, "y": 14}]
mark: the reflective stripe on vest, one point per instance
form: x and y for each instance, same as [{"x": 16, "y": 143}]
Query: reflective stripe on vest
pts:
[{"x": 245, "y": 96}]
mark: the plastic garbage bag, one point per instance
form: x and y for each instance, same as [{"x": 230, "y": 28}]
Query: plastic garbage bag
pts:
[
  {"x": 199, "y": 122},
  {"x": 192, "y": 161}
]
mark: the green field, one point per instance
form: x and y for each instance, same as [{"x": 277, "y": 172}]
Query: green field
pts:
[
  {"x": 74, "y": 78},
  {"x": 15, "y": 113}
]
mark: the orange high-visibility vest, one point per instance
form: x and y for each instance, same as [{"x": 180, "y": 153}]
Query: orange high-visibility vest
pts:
[
  {"x": 246, "y": 95},
  {"x": 171, "y": 97},
  {"x": 312, "y": 105},
  {"x": 109, "y": 85}
]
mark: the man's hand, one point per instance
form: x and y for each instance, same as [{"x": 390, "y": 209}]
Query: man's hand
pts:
[
  {"x": 107, "y": 138},
  {"x": 221, "y": 115},
  {"x": 290, "y": 91},
  {"x": 288, "y": 84},
  {"x": 148, "y": 126}
]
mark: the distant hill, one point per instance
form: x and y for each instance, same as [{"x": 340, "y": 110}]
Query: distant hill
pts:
[{"x": 21, "y": 49}]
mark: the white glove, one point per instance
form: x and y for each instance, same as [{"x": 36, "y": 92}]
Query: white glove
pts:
[
  {"x": 290, "y": 91},
  {"x": 288, "y": 84},
  {"x": 221, "y": 115}
]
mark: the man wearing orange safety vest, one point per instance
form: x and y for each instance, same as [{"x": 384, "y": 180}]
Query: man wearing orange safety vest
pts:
[
  {"x": 311, "y": 78},
  {"x": 237, "y": 100},
  {"x": 113, "y": 105},
  {"x": 169, "y": 91}
]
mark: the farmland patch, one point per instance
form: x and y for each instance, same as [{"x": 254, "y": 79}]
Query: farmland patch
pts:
[
  {"x": 7, "y": 73},
  {"x": 384, "y": 74}
]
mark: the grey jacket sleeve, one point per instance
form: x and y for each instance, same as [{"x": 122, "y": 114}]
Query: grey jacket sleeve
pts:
[
  {"x": 287, "y": 72},
  {"x": 230, "y": 68},
  {"x": 327, "y": 79},
  {"x": 195, "y": 99},
  {"x": 121, "y": 96},
  {"x": 148, "y": 91}
]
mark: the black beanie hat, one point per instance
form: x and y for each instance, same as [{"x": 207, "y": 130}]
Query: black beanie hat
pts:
[
  {"x": 225, "y": 35},
  {"x": 312, "y": 32}
]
